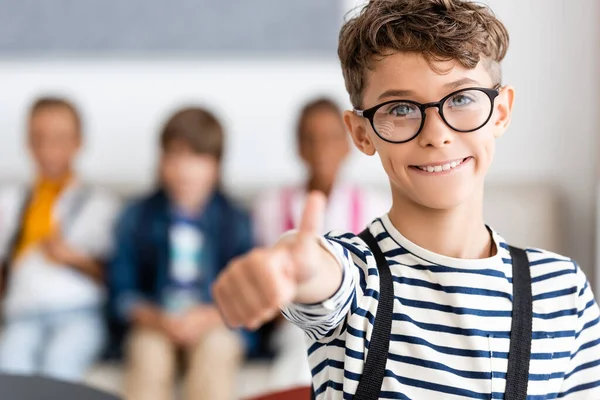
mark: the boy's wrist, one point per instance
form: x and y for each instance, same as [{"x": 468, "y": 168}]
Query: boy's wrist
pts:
[{"x": 326, "y": 281}]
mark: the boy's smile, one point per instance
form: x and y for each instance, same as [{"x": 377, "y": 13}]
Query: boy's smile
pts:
[{"x": 440, "y": 168}]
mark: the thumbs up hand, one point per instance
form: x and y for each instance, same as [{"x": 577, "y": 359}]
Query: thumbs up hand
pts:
[{"x": 298, "y": 268}]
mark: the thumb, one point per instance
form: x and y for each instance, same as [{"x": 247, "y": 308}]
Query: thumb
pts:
[
  {"x": 313, "y": 215},
  {"x": 303, "y": 251}
]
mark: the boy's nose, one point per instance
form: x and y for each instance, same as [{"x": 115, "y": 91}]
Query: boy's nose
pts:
[{"x": 435, "y": 132}]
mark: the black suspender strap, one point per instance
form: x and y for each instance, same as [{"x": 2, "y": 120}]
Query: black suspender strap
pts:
[
  {"x": 517, "y": 377},
  {"x": 371, "y": 380},
  {"x": 519, "y": 355}
]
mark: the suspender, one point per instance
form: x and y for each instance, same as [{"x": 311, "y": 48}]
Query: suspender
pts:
[
  {"x": 371, "y": 380},
  {"x": 519, "y": 355},
  {"x": 517, "y": 376}
]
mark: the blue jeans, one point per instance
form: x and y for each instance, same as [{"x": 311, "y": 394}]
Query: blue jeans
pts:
[{"x": 62, "y": 345}]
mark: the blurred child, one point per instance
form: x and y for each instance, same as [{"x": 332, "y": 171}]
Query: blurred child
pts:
[
  {"x": 171, "y": 245},
  {"x": 323, "y": 146},
  {"x": 54, "y": 236}
]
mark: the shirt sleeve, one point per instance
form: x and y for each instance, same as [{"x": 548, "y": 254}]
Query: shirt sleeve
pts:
[
  {"x": 582, "y": 380},
  {"x": 325, "y": 321},
  {"x": 93, "y": 231},
  {"x": 243, "y": 238},
  {"x": 122, "y": 270}
]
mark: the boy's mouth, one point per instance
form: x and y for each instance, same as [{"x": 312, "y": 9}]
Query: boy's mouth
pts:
[{"x": 442, "y": 166}]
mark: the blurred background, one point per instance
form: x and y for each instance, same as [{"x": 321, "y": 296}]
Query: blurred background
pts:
[{"x": 129, "y": 64}]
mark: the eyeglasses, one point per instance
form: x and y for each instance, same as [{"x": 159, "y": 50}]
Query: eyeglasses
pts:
[{"x": 400, "y": 121}]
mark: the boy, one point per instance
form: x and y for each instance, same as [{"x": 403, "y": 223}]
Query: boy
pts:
[
  {"x": 424, "y": 78},
  {"x": 54, "y": 237},
  {"x": 171, "y": 246}
]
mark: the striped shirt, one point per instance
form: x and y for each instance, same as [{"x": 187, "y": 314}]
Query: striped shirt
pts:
[{"x": 451, "y": 323}]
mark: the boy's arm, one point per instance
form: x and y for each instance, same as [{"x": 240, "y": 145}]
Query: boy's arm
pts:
[
  {"x": 89, "y": 266},
  {"x": 59, "y": 251},
  {"x": 582, "y": 380},
  {"x": 122, "y": 280},
  {"x": 88, "y": 250},
  {"x": 319, "y": 319}
]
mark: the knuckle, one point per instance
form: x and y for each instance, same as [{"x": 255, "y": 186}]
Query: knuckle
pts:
[{"x": 257, "y": 256}]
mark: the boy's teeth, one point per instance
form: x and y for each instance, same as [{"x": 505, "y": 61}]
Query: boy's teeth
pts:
[{"x": 440, "y": 168}]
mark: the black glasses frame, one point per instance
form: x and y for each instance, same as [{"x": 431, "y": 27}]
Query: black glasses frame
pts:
[{"x": 369, "y": 113}]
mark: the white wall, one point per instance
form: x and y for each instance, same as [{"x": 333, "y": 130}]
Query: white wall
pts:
[
  {"x": 553, "y": 62},
  {"x": 126, "y": 101}
]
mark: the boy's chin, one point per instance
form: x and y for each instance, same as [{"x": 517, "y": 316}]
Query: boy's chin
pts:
[
  {"x": 445, "y": 200},
  {"x": 187, "y": 199},
  {"x": 53, "y": 172}
]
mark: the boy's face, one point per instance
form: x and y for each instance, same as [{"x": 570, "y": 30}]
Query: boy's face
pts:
[
  {"x": 54, "y": 141},
  {"x": 436, "y": 144},
  {"x": 323, "y": 143},
  {"x": 187, "y": 176}
]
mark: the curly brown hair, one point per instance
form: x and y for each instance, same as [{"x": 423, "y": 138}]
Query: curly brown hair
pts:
[{"x": 440, "y": 30}]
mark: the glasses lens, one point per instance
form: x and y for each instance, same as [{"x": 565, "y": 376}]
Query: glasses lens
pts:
[
  {"x": 398, "y": 121},
  {"x": 467, "y": 110}
]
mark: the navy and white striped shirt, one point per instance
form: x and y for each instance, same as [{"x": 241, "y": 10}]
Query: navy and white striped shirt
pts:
[{"x": 452, "y": 319}]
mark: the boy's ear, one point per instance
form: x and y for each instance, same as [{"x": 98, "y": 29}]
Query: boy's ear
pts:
[
  {"x": 504, "y": 106},
  {"x": 358, "y": 128}
]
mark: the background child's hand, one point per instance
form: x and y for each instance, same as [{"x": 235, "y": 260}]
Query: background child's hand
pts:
[
  {"x": 191, "y": 326},
  {"x": 150, "y": 316},
  {"x": 57, "y": 250},
  {"x": 253, "y": 288}
]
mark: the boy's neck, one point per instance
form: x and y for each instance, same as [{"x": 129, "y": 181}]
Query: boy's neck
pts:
[
  {"x": 191, "y": 209},
  {"x": 60, "y": 178},
  {"x": 456, "y": 233}
]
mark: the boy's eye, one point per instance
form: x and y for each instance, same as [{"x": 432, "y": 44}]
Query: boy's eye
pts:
[
  {"x": 460, "y": 100},
  {"x": 403, "y": 110}
]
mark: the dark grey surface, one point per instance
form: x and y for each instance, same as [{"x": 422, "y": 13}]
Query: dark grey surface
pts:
[
  {"x": 179, "y": 26},
  {"x": 37, "y": 388}
]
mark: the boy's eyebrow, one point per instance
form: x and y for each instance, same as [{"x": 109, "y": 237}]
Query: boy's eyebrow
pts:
[
  {"x": 395, "y": 93},
  {"x": 461, "y": 82},
  {"x": 406, "y": 93}
]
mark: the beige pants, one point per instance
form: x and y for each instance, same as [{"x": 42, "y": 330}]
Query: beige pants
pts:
[{"x": 210, "y": 367}]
